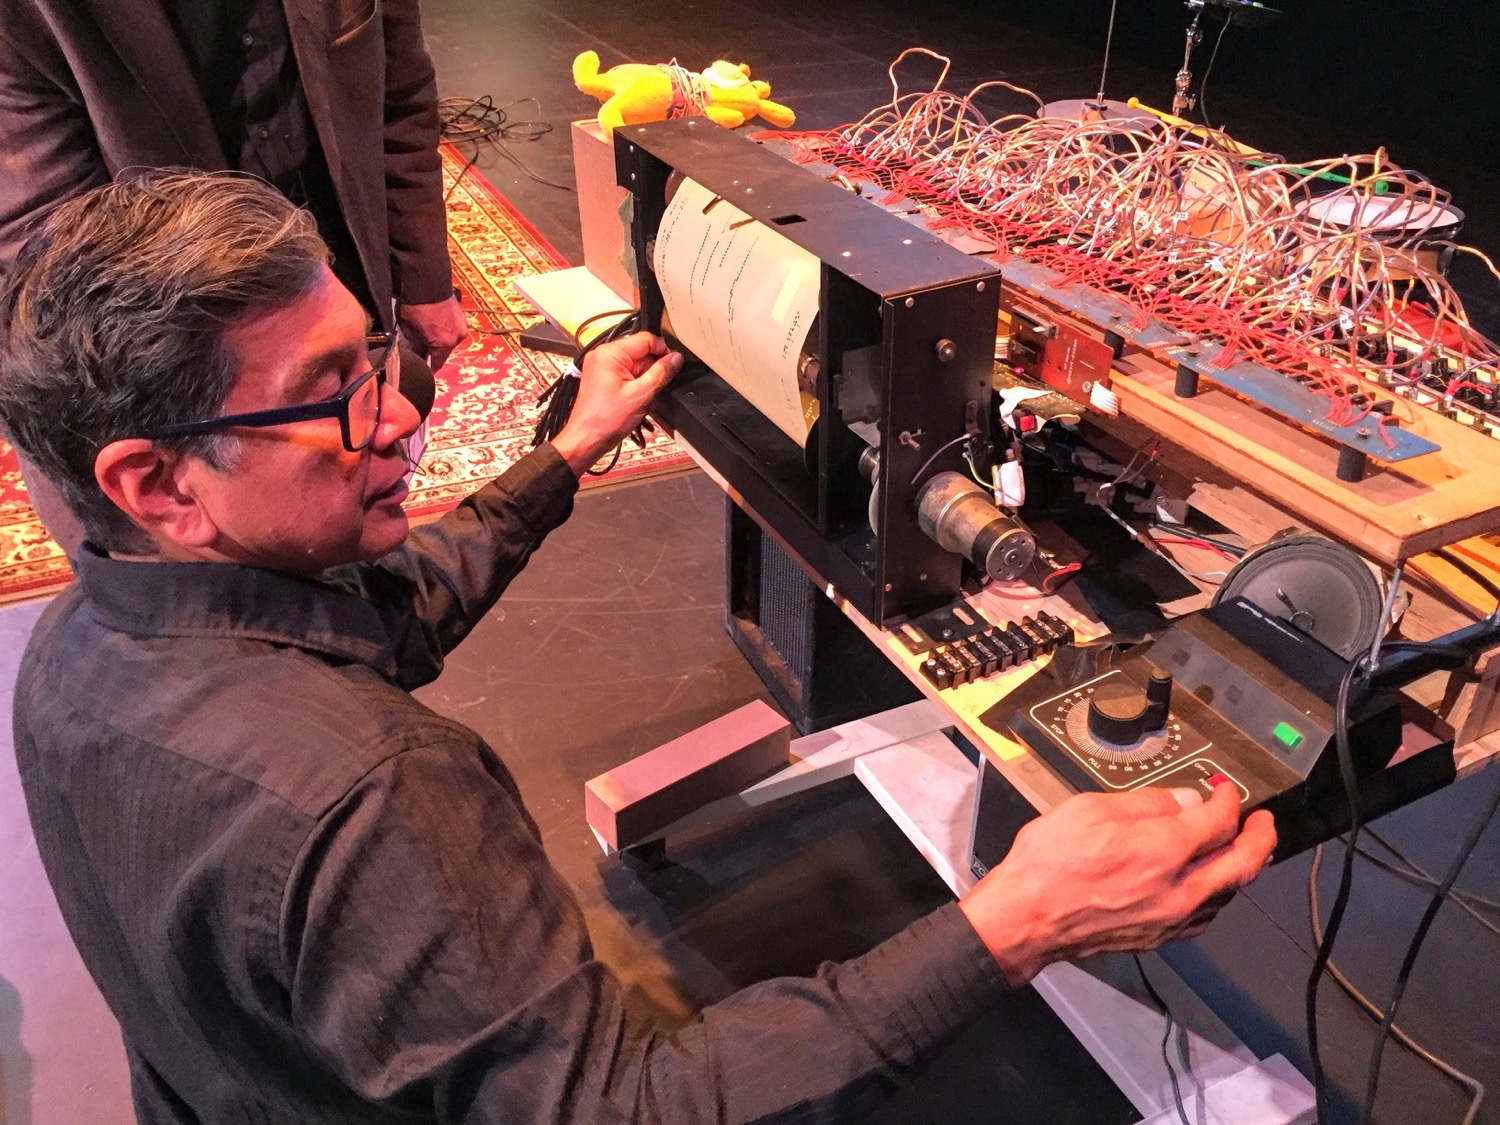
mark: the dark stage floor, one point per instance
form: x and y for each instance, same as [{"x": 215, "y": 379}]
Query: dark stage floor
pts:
[{"x": 612, "y": 642}]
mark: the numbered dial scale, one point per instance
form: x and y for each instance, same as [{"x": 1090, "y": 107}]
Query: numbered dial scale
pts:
[
  {"x": 1121, "y": 734},
  {"x": 1226, "y": 695},
  {"x": 1229, "y": 695}
]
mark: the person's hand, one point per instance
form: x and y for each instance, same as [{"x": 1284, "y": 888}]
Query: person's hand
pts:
[
  {"x": 615, "y": 390},
  {"x": 1124, "y": 871},
  {"x": 433, "y": 331}
]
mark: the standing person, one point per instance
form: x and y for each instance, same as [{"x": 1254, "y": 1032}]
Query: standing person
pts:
[
  {"x": 309, "y": 899},
  {"x": 333, "y": 102}
]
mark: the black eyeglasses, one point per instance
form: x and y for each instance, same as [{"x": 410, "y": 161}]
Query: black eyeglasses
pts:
[{"x": 357, "y": 406}]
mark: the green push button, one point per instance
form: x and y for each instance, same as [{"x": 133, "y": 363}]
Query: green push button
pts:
[{"x": 1288, "y": 735}]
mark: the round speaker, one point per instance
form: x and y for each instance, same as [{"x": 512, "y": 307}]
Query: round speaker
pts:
[{"x": 1315, "y": 585}]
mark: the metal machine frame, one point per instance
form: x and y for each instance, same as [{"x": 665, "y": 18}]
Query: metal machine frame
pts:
[{"x": 904, "y": 342}]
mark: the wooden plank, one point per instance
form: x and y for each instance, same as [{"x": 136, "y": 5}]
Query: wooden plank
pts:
[
  {"x": 1482, "y": 753},
  {"x": 1393, "y": 514}
]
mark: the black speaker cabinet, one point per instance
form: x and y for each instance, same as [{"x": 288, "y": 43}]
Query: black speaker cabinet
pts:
[{"x": 815, "y": 662}]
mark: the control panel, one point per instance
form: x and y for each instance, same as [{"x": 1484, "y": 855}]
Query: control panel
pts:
[{"x": 1227, "y": 696}]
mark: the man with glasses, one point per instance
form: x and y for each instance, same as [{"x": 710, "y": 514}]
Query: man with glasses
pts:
[
  {"x": 307, "y": 898},
  {"x": 357, "y": 406}
]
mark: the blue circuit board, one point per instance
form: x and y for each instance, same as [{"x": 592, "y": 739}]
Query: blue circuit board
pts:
[{"x": 1291, "y": 399}]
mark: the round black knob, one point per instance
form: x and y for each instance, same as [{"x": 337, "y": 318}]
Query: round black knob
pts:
[
  {"x": 1117, "y": 713},
  {"x": 1121, "y": 714}
]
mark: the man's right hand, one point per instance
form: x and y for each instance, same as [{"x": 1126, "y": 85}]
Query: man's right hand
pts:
[
  {"x": 1123, "y": 871},
  {"x": 615, "y": 390}
]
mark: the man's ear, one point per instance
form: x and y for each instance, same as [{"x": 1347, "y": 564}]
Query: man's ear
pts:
[{"x": 154, "y": 487}]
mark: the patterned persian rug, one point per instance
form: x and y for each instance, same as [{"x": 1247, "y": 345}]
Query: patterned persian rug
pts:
[{"x": 485, "y": 410}]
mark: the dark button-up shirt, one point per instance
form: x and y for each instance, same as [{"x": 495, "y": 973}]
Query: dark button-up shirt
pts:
[
  {"x": 240, "y": 53},
  {"x": 310, "y": 899}
]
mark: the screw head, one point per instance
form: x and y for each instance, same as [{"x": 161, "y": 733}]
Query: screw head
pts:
[
  {"x": 980, "y": 287},
  {"x": 946, "y": 351},
  {"x": 910, "y": 301}
]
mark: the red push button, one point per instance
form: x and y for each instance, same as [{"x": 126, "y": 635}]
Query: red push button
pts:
[{"x": 1219, "y": 779}]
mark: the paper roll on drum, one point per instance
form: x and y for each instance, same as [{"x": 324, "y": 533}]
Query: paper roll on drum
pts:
[{"x": 742, "y": 298}]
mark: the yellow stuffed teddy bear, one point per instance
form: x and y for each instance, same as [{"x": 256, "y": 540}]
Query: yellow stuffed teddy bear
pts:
[{"x": 633, "y": 92}]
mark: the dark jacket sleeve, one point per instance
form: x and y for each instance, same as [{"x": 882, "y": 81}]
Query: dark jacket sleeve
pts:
[
  {"x": 438, "y": 963},
  {"x": 421, "y": 272},
  {"x": 47, "y": 148},
  {"x": 448, "y": 575}
]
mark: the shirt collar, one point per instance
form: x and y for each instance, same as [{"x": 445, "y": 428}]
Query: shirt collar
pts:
[{"x": 209, "y": 599}]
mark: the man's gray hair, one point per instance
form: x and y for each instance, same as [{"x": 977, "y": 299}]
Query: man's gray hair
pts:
[{"x": 113, "y": 320}]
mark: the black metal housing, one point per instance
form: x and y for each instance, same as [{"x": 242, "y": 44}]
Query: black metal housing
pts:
[{"x": 906, "y": 325}]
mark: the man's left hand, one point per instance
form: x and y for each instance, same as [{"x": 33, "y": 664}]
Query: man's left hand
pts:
[{"x": 433, "y": 330}]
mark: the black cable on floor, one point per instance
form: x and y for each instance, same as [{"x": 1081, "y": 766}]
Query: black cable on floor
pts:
[
  {"x": 1472, "y": 1085},
  {"x": 1346, "y": 883},
  {"x": 1166, "y": 1039},
  {"x": 1346, "y": 876},
  {"x": 1413, "y": 872},
  {"x": 480, "y": 122},
  {"x": 1466, "y": 849}
]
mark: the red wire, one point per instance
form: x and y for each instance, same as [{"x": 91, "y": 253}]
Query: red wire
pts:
[{"x": 1202, "y": 544}]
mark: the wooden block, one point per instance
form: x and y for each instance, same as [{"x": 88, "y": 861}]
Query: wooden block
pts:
[
  {"x": 647, "y": 793},
  {"x": 606, "y": 239},
  {"x": 1400, "y": 511}
]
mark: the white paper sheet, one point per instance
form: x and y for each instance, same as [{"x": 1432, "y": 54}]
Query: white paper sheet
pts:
[{"x": 741, "y": 297}]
